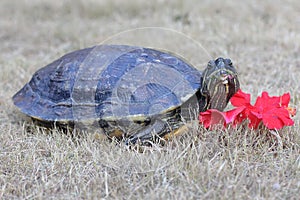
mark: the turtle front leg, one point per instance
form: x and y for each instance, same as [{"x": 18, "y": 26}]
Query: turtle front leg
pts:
[{"x": 157, "y": 127}]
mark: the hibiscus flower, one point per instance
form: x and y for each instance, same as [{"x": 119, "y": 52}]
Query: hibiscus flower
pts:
[
  {"x": 214, "y": 117},
  {"x": 272, "y": 112}
]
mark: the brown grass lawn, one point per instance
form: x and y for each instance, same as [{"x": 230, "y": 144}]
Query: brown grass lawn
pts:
[{"x": 262, "y": 39}]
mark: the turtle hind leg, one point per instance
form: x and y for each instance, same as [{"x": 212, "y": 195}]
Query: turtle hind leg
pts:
[{"x": 157, "y": 128}]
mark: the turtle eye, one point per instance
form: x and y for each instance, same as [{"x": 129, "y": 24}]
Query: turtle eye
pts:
[
  {"x": 229, "y": 62},
  {"x": 210, "y": 64}
]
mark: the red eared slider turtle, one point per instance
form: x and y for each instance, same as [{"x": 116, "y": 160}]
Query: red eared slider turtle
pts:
[{"x": 131, "y": 92}]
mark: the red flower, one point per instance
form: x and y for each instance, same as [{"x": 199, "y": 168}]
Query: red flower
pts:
[
  {"x": 213, "y": 117},
  {"x": 273, "y": 112}
]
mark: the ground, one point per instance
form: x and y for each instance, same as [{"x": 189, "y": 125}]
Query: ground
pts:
[{"x": 261, "y": 37}]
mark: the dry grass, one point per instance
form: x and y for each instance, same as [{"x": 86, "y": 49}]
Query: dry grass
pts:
[{"x": 262, "y": 38}]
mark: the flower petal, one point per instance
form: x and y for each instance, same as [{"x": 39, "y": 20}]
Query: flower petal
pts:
[
  {"x": 277, "y": 119},
  {"x": 212, "y": 117},
  {"x": 240, "y": 99},
  {"x": 285, "y": 99},
  {"x": 265, "y": 101},
  {"x": 233, "y": 114},
  {"x": 255, "y": 119}
]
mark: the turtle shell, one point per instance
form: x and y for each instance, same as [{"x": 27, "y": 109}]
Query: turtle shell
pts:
[{"x": 108, "y": 82}]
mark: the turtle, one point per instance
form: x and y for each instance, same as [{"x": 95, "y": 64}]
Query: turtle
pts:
[{"x": 128, "y": 92}]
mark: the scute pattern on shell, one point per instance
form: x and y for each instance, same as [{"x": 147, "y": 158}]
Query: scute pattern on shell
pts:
[{"x": 136, "y": 81}]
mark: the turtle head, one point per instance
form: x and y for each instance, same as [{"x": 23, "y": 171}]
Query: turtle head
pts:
[{"x": 219, "y": 83}]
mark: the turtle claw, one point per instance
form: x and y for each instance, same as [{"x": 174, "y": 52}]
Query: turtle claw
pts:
[{"x": 148, "y": 132}]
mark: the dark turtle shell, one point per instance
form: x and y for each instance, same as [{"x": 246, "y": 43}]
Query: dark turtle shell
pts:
[{"x": 108, "y": 82}]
